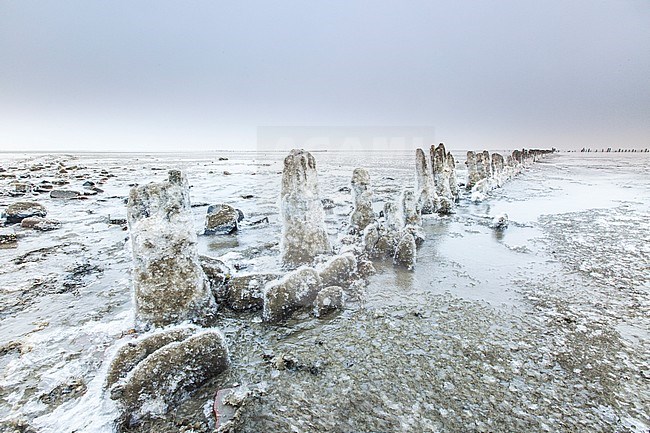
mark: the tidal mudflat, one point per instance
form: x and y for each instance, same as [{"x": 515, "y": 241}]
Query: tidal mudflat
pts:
[{"x": 538, "y": 326}]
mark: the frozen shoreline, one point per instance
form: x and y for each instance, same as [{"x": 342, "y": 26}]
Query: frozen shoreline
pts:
[{"x": 479, "y": 290}]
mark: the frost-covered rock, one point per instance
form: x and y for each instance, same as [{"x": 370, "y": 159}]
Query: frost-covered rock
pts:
[
  {"x": 500, "y": 222},
  {"x": 133, "y": 352},
  {"x": 16, "y": 212},
  {"x": 170, "y": 285},
  {"x": 338, "y": 270},
  {"x": 406, "y": 252},
  {"x": 167, "y": 375},
  {"x": 296, "y": 290},
  {"x": 40, "y": 224},
  {"x": 362, "y": 215},
  {"x": 222, "y": 219},
  {"x": 328, "y": 300},
  {"x": 303, "y": 229},
  {"x": 246, "y": 292},
  {"x": 426, "y": 192}
]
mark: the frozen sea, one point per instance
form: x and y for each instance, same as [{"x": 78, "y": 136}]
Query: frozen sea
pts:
[{"x": 542, "y": 327}]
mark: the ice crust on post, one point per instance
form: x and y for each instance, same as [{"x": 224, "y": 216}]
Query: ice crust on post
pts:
[
  {"x": 426, "y": 192},
  {"x": 363, "y": 213},
  {"x": 169, "y": 284},
  {"x": 303, "y": 230},
  {"x": 442, "y": 178}
]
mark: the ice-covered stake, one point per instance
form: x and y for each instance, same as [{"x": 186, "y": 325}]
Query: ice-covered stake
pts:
[
  {"x": 303, "y": 231},
  {"x": 363, "y": 213},
  {"x": 426, "y": 192},
  {"x": 170, "y": 285},
  {"x": 472, "y": 170},
  {"x": 441, "y": 178}
]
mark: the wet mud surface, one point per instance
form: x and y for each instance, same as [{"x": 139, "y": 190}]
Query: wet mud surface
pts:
[{"x": 543, "y": 327}]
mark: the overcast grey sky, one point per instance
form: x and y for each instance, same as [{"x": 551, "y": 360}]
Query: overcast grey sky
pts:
[{"x": 163, "y": 75}]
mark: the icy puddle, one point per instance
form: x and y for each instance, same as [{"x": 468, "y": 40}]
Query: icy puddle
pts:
[{"x": 543, "y": 327}]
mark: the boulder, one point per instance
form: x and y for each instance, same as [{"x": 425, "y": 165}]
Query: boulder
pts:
[
  {"x": 133, "y": 352},
  {"x": 406, "y": 252},
  {"x": 328, "y": 300},
  {"x": 169, "y": 283},
  {"x": 18, "y": 211},
  {"x": 296, "y": 290},
  {"x": 362, "y": 215},
  {"x": 303, "y": 220},
  {"x": 167, "y": 375},
  {"x": 338, "y": 270},
  {"x": 222, "y": 219}
]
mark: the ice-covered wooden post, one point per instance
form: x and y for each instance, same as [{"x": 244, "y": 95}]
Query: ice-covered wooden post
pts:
[
  {"x": 426, "y": 192},
  {"x": 170, "y": 285},
  {"x": 441, "y": 176},
  {"x": 363, "y": 213},
  {"x": 303, "y": 221},
  {"x": 472, "y": 170},
  {"x": 453, "y": 181}
]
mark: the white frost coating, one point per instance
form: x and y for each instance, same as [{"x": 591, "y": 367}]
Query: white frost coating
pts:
[
  {"x": 426, "y": 191},
  {"x": 303, "y": 231},
  {"x": 170, "y": 285},
  {"x": 363, "y": 213}
]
